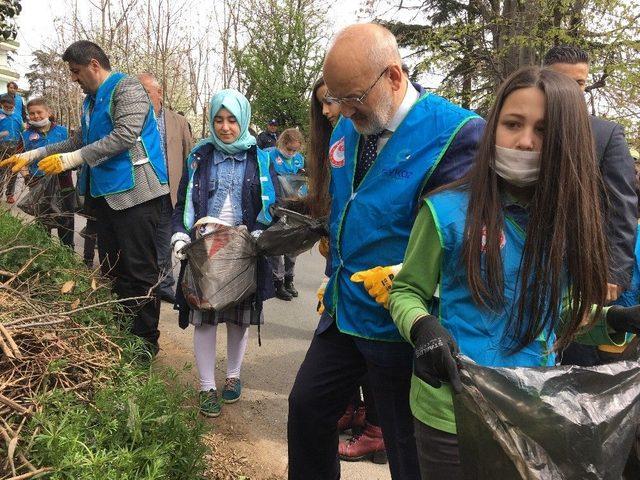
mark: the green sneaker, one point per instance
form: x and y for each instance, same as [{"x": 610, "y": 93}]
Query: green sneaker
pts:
[
  {"x": 210, "y": 405},
  {"x": 232, "y": 390}
]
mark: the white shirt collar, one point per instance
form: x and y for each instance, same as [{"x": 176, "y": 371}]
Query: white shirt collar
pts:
[{"x": 410, "y": 97}]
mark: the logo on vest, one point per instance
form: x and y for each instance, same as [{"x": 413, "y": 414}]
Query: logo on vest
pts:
[
  {"x": 336, "y": 154},
  {"x": 398, "y": 173},
  {"x": 34, "y": 136},
  {"x": 279, "y": 160},
  {"x": 483, "y": 241},
  {"x": 2, "y": 116}
]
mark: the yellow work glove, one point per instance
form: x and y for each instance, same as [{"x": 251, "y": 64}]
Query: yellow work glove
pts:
[
  {"x": 21, "y": 160},
  {"x": 320, "y": 295},
  {"x": 377, "y": 282},
  {"x": 60, "y": 162}
]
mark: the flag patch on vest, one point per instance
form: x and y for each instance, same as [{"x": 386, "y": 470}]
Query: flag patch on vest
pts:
[
  {"x": 336, "y": 154},
  {"x": 278, "y": 160},
  {"x": 483, "y": 247},
  {"x": 34, "y": 136}
]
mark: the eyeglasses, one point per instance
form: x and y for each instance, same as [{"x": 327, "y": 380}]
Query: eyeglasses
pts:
[{"x": 354, "y": 101}]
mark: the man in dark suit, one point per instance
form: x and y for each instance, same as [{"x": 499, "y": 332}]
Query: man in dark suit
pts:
[
  {"x": 619, "y": 177},
  {"x": 268, "y": 138}
]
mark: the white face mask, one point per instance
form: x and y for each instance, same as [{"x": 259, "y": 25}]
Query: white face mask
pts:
[
  {"x": 39, "y": 123},
  {"x": 518, "y": 167}
]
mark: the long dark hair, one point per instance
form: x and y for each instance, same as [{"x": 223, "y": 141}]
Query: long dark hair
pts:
[
  {"x": 318, "y": 157},
  {"x": 565, "y": 244}
]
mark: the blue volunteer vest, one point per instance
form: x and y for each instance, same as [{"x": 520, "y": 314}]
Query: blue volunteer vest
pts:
[
  {"x": 11, "y": 124},
  {"x": 479, "y": 332},
  {"x": 370, "y": 225},
  {"x": 32, "y": 139},
  {"x": 18, "y": 107},
  {"x": 116, "y": 174},
  {"x": 284, "y": 165},
  {"x": 267, "y": 189}
]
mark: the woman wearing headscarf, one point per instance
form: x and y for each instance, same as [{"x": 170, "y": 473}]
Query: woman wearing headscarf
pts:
[{"x": 228, "y": 178}]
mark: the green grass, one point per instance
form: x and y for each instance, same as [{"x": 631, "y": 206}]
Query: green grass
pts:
[{"x": 136, "y": 424}]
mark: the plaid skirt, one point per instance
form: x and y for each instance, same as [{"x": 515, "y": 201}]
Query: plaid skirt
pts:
[{"x": 243, "y": 315}]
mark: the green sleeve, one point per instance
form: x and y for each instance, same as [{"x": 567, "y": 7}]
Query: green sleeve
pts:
[
  {"x": 601, "y": 334},
  {"x": 415, "y": 284}
]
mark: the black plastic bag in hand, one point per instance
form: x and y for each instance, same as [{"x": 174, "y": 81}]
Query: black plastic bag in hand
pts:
[
  {"x": 550, "y": 423},
  {"x": 434, "y": 360},
  {"x": 44, "y": 198},
  {"x": 291, "y": 234}
]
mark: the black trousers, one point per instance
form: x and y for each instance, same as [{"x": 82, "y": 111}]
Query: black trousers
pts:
[
  {"x": 127, "y": 245},
  {"x": 438, "y": 453},
  {"x": 330, "y": 372},
  {"x": 163, "y": 235}
]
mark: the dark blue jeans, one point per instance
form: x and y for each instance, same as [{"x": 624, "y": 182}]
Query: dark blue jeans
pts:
[
  {"x": 163, "y": 241},
  {"x": 330, "y": 372}
]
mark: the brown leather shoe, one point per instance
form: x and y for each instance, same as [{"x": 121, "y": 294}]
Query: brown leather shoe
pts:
[
  {"x": 359, "y": 420},
  {"x": 369, "y": 445},
  {"x": 346, "y": 419}
]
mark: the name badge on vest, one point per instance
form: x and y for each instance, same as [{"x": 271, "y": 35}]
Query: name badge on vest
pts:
[{"x": 336, "y": 154}]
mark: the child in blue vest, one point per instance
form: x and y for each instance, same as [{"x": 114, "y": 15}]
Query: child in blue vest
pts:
[
  {"x": 10, "y": 130},
  {"x": 287, "y": 161},
  {"x": 225, "y": 177},
  {"x": 42, "y": 131},
  {"x": 503, "y": 245}
]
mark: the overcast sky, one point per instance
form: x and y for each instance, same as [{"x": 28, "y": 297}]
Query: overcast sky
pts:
[{"x": 35, "y": 26}]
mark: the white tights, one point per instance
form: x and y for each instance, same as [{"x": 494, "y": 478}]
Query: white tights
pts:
[{"x": 204, "y": 344}]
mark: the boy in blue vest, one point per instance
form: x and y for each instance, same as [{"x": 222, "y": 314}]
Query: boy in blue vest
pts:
[
  {"x": 41, "y": 132},
  {"x": 19, "y": 110},
  {"x": 393, "y": 143},
  {"x": 10, "y": 130},
  {"x": 123, "y": 177}
]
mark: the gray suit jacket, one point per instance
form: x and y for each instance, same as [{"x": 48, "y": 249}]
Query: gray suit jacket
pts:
[{"x": 621, "y": 201}]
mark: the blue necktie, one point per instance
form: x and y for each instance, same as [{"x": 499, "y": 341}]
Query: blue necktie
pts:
[{"x": 366, "y": 158}]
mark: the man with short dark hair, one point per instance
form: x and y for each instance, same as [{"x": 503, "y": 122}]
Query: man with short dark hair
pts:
[
  {"x": 268, "y": 138},
  {"x": 620, "y": 199},
  {"x": 123, "y": 177}
]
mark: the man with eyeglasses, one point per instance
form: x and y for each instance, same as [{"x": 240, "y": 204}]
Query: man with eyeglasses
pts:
[{"x": 393, "y": 143}]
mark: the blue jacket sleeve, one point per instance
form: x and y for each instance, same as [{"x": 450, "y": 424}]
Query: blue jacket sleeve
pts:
[{"x": 459, "y": 156}]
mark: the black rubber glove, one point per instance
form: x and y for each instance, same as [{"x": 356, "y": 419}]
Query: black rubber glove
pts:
[
  {"x": 624, "y": 319},
  {"x": 434, "y": 349}
]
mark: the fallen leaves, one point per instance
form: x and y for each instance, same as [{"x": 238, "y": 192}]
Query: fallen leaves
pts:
[{"x": 67, "y": 287}]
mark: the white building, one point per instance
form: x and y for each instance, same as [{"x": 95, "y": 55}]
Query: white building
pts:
[{"x": 7, "y": 74}]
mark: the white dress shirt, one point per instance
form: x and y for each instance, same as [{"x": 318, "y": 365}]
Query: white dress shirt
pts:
[{"x": 411, "y": 96}]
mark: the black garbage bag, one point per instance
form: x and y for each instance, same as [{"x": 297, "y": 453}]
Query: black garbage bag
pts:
[
  {"x": 221, "y": 268},
  {"x": 292, "y": 234},
  {"x": 569, "y": 423},
  {"x": 44, "y": 198}
]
